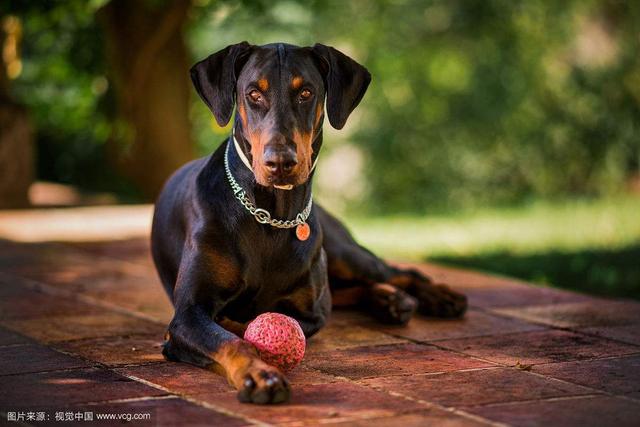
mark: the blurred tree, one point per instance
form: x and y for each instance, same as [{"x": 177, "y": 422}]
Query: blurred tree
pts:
[
  {"x": 62, "y": 83},
  {"x": 148, "y": 63},
  {"x": 107, "y": 82}
]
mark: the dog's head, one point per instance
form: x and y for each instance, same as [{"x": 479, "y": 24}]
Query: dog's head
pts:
[{"x": 279, "y": 93}]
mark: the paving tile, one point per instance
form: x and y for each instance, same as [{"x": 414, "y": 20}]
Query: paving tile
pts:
[
  {"x": 475, "y": 323},
  {"x": 597, "y": 411},
  {"x": 11, "y": 286},
  {"x": 600, "y": 313},
  {"x": 74, "y": 271},
  {"x": 319, "y": 404},
  {"x": 115, "y": 351},
  {"x": 31, "y": 260},
  {"x": 519, "y": 296},
  {"x": 182, "y": 378},
  {"x": 22, "y": 359},
  {"x": 617, "y": 376},
  {"x": 62, "y": 328},
  {"x": 8, "y": 337},
  {"x": 150, "y": 299},
  {"x": 306, "y": 375},
  {"x": 341, "y": 335},
  {"x": 130, "y": 250},
  {"x": 19, "y": 255},
  {"x": 32, "y": 303},
  {"x": 374, "y": 361},
  {"x": 539, "y": 347},
  {"x": 431, "y": 417},
  {"x": 111, "y": 280},
  {"x": 60, "y": 388},
  {"x": 481, "y": 386},
  {"x": 629, "y": 333},
  {"x": 179, "y": 378},
  {"x": 104, "y": 276}
]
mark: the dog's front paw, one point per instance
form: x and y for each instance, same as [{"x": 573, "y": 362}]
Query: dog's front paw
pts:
[
  {"x": 263, "y": 385},
  {"x": 391, "y": 305},
  {"x": 440, "y": 301}
]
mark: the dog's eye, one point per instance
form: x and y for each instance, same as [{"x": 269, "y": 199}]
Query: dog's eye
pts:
[
  {"x": 305, "y": 95},
  {"x": 255, "y": 96}
]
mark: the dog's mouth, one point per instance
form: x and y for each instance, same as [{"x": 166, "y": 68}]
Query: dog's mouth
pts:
[
  {"x": 283, "y": 187},
  {"x": 286, "y": 183}
]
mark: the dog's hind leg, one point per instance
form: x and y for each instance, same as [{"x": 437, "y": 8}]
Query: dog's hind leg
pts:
[{"x": 390, "y": 293}]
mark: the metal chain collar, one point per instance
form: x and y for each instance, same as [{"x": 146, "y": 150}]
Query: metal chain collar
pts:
[{"x": 262, "y": 215}]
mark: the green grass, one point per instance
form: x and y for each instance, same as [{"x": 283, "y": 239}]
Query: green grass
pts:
[{"x": 590, "y": 246}]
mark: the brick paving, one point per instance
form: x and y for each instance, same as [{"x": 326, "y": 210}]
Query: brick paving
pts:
[{"x": 81, "y": 326}]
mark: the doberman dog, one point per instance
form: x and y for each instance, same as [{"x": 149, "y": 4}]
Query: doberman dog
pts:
[{"x": 235, "y": 234}]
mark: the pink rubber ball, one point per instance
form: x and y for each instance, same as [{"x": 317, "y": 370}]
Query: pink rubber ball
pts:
[{"x": 278, "y": 338}]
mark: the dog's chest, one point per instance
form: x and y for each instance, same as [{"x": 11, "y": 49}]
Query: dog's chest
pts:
[
  {"x": 274, "y": 264},
  {"x": 275, "y": 259}
]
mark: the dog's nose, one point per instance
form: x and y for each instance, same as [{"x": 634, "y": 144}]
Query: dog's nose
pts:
[{"x": 279, "y": 159}]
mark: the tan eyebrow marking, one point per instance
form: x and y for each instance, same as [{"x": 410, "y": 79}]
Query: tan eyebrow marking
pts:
[
  {"x": 296, "y": 82},
  {"x": 263, "y": 84}
]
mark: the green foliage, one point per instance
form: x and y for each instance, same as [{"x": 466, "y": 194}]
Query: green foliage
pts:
[{"x": 478, "y": 102}]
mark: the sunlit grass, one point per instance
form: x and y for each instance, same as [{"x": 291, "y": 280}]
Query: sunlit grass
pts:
[
  {"x": 589, "y": 246},
  {"x": 536, "y": 228}
]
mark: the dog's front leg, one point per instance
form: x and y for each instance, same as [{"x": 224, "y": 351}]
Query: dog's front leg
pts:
[{"x": 194, "y": 337}]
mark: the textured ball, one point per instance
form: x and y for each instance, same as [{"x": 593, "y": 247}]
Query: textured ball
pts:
[{"x": 278, "y": 338}]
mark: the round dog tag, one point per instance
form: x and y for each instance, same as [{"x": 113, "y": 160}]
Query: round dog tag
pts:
[{"x": 303, "y": 231}]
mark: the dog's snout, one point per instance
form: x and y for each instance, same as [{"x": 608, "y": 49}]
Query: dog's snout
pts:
[{"x": 279, "y": 159}]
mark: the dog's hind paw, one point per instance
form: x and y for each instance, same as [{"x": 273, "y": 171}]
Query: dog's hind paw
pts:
[
  {"x": 435, "y": 300},
  {"x": 440, "y": 301},
  {"x": 391, "y": 305}
]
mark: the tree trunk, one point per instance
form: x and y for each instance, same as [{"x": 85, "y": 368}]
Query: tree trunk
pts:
[
  {"x": 148, "y": 65},
  {"x": 16, "y": 156},
  {"x": 16, "y": 133}
]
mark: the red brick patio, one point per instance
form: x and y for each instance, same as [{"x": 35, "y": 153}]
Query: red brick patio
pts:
[{"x": 81, "y": 326}]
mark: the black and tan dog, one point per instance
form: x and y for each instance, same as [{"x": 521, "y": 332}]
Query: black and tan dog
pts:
[{"x": 235, "y": 234}]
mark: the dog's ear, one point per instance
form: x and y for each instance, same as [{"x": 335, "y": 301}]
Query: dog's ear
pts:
[
  {"x": 346, "y": 82},
  {"x": 215, "y": 79}
]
